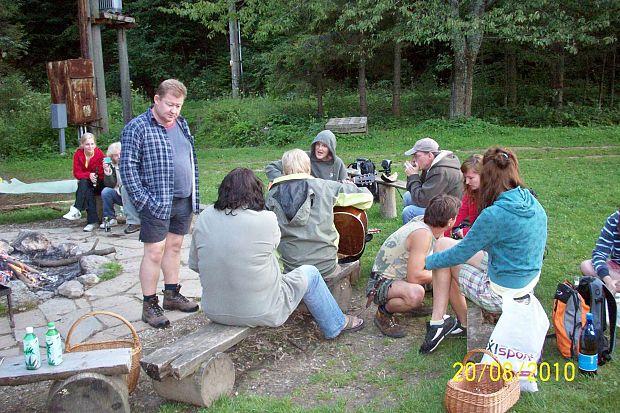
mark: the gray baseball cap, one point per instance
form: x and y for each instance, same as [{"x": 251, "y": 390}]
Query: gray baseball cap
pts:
[{"x": 424, "y": 145}]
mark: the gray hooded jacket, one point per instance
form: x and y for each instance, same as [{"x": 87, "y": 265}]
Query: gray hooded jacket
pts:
[
  {"x": 443, "y": 177},
  {"x": 332, "y": 170}
]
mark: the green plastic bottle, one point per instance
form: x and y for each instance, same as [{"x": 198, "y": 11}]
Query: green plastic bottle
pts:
[
  {"x": 53, "y": 345},
  {"x": 32, "y": 352}
]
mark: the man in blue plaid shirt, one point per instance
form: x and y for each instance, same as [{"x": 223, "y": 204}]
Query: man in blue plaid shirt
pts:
[{"x": 160, "y": 171}]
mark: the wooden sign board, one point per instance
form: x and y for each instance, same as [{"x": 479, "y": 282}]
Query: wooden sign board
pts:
[{"x": 72, "y": 82}]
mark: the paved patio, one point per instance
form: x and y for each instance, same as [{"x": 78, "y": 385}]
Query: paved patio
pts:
[{"x": 121, "y": 295}]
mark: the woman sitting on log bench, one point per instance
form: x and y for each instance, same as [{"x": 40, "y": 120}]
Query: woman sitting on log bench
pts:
[{"x": 233, "y": 249}]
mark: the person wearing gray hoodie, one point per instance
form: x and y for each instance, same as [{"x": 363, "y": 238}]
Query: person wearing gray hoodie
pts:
[{"x": 324, "y": 162}]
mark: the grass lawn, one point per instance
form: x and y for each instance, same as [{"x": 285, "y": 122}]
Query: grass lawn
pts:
[{"x": 575, "y": 172}]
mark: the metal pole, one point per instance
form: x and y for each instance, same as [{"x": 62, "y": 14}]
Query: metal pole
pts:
[
  {"x": 234, "y": 49},
  {"x": 61, "y": 141},
  {"x": 123, "y": 64}
]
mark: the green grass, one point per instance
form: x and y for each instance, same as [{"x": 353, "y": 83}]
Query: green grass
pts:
[
  {"x": 575, "y": 172},
  {"x": 112, "y": 270},
  {"x": 29, "y": 215}
]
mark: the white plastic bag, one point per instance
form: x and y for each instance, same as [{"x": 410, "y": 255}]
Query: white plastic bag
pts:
[{"x": 518, "y": 339}]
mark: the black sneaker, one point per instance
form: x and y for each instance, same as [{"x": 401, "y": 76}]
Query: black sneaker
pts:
[
  {"x": 458, "y": 332},
  {"x": 436, "y": 334}
]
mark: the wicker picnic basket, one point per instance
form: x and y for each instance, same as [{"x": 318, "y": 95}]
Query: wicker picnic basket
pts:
[
  {"x": 133, "y": 344},
  {"x": 488, "y": 392}
]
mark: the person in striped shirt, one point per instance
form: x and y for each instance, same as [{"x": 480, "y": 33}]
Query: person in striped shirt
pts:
[{"x": 605, "y": 262}]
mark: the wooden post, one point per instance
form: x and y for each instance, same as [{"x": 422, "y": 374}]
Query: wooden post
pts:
[
  {"x": 213, "y": 379},
  {"x": 123, "y": 65},
  {"x": 82, "y": 20},
  {"x": 387, "y": 201},
  {"x": 235, "y": 57},
  {"x": 97, "y": 56}
]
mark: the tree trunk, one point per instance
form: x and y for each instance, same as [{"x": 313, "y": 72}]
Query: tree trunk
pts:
[
  {"x": 612, "y": 76},
  {"x": 465, "y": 49},
  {"x": 235, "y": 58},
  {"x": 602, "y": 81},
  {"x": 396, "y": 83},
  {"x": 558, "y": 73},
  {"x": 320, "y": 111},
  {"x": 361, "y": 86},
  {"x": 510, "y": 77}
]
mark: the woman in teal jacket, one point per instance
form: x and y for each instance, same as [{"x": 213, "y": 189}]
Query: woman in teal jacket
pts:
[{"x": 511, "y": 228}]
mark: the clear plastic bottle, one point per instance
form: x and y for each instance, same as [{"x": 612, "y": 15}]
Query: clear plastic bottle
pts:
[
  {"x": 53, "y": 345},
  {"x": 32, "y": 352}
]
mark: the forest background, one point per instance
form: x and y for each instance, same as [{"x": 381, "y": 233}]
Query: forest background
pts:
[{"x": 526, "y": 63}]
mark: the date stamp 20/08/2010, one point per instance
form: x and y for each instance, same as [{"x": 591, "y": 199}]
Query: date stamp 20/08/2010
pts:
[{"x": 532, "y": 371}]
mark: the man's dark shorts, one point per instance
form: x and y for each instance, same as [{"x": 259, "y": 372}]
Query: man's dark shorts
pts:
[
  {"x": 381, "y": 297},
  {"x": 155, "y": 230}
]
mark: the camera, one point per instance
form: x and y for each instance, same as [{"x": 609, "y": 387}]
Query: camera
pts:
[{"x": 386, "y": 164}]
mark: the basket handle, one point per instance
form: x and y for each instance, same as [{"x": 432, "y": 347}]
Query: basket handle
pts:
[
  {"x": 481, "y": 350},
  {"x": 136, "y": 339}
]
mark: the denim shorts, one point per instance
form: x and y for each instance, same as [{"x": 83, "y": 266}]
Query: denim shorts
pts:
[
  {"x": 155, "y": 230},
  {"x": 381, "y": 296}
]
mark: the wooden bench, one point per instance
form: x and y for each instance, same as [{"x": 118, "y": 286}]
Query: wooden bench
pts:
[
  {"x": 479, "y": 328},
  {"x": 194, "y": 369},
  {"x": 348, "y": 125},
  {"x": 387, "y": 196},
  {"x": 75, "y": 378}
]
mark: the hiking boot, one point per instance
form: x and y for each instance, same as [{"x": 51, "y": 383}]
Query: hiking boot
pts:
[
  {"x": 153, "y": 314},
  {"x": 436, "y": 334},
  {"x": 131, "y": 228},
  {"x": 386, "y": 323},
  {"x": 422, "y": 311},
  {"x": 173, "y": 300}
]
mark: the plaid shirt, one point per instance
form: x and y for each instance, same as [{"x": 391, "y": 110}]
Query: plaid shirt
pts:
[{"x": 147, "y": 168}]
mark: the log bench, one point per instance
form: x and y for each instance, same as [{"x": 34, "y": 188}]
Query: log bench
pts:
[
  {"x": 387, "y": 196},
  {"x": 479, "y": 328},
  {"x": 75, "y": 378},
  {"x": 194, "y": 369}
]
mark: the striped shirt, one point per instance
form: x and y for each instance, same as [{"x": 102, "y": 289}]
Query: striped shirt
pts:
[
  {"x": 147, "y": 167},
  {"x": 607, "y": 246}
]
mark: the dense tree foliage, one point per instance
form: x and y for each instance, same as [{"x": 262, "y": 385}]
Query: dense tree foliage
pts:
[{"x": 311, "y": 47}]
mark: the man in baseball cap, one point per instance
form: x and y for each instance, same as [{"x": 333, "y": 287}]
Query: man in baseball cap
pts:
[{"x": 430, "y": 172}]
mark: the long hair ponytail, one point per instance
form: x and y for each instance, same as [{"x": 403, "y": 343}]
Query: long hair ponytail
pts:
[{"x": 500, "y": 173}]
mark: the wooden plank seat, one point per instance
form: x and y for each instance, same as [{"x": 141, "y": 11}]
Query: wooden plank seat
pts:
[
  {"x": 75, "y": 378},
  {"x": 339, "y": 284},
  {"x": 194, "y": 368}
]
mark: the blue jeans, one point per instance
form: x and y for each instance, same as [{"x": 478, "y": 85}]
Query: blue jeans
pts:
[
  {"x": 109, "y": 197},
  {"x": 321, "y": 303},
  {"x": 411, "y": 210},
  {"x": 130, "y": 211}
]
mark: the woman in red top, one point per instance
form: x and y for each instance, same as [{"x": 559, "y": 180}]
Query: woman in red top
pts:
[
  {"x": 471, "y": 169},
  {"x": 88, "y": 170}
]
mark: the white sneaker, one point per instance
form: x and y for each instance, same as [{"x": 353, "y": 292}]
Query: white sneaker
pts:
[
  {"x": 73, "y": 214},
  {"x": 90, "y": 227},
  {"x": 111, "y": 223}
]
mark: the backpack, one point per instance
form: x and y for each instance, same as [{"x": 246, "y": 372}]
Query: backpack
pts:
[{"x": 570, "y": 306}]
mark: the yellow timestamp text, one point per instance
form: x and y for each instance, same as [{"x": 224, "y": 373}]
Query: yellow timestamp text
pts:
[{"x": 531, "y": 371}]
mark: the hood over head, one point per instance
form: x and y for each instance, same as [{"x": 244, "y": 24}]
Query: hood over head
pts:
[{"x": 326, "y": 137}]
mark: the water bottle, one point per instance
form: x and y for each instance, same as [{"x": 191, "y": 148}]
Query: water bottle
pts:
[
  {"x": 588, "y": 347},
  {"x": 53, "y": 345},
  {"x": 106, "y": 224},
  {"x": 32, "y": 352}
]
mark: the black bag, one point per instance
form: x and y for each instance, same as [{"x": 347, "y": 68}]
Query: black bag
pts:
[{"x": 602, "y": 303}]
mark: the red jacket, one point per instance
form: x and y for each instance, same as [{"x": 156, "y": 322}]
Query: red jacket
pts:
[
  {"x": 468, "y": 210},
  {"x": 80, "y": 171}
]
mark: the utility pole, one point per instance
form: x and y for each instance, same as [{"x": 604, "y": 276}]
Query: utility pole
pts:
[
  {"x": 97, "y": 56},
  {"x": 235, "y": 48},
  {"x": 123, "y": 65}
]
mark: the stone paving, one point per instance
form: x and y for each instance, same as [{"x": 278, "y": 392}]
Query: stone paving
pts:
[{"x": 121, "y": 295}]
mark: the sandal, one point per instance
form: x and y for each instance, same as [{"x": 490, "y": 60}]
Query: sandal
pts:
[{"x": 351, "y": 325}]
